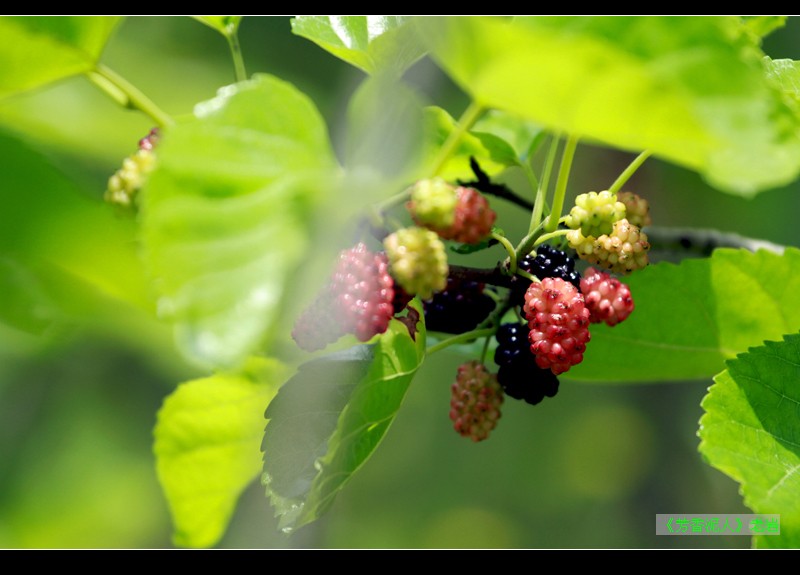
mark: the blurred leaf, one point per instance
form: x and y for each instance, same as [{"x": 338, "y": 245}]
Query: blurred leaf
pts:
[
  {"x": 522, "y": 136},
  {"x": 384, "y": 127},
  {"x": 690, "y": 318},
  {"x": 37, "y": 50},
  {"x": 329, "y": 418},
  {"x": 226, "y": 25},
  {"x": 25, "y": 305},
  {"x": 751, "y": 432},
  {"x": 761, "y": 26},
  {"x": 207, "y": 442},
  {"x": 371, "y": 43},
  {"x": 680, "y": 87},
  {"x": 226, "y": 213},
  {"x": 492, "y": 153}
]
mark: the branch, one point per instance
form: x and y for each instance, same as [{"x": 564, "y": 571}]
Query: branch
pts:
[
  {"x": 485, "y": 185},
  {"x": 703, "y": 241}
]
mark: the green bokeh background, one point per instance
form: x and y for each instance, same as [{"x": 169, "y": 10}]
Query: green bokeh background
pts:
[{"x": 590, "y": 468}]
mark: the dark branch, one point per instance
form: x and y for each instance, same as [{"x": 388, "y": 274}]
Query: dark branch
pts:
[{"x": 485, "y": 185}]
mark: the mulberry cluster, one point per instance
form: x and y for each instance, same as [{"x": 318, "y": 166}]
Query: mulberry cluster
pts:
[
  {"x": 607, "y": 299},
  {"x": 594, "y": 214},
  {"x": 519, "y": 375},
  {"x": 418, "y": 261},
  {"x": 359, "y": 299},
  {"x": 559, "y": 324},
  {"x": 469, "y": 219},
  {"x": 123, "y": 187},
  {"x": 475, "y": 401},
  {"x": 637, "y": 209},
  {"x": 622, "y": 251},
  {"x": 459, "y": 308}
]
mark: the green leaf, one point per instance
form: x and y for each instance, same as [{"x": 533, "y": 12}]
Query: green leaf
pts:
[
  {"x": 785, "y": 76},
  {"x": 37, "y": 50},
  {"x": 371, "y": 43},
  {"x": 385, "y": 121},
  {"x": 691, "y": 89},
  {"x": 225, "y": 25},
  {"x": 751, "y": 432},
  {"x": 690, "y": 318},
  {"x": 226, "y": 214},
  {"x": 207, "y": 442},
  {"x": 329, "y": 418}
]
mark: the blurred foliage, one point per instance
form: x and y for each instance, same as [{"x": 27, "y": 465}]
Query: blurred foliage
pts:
[{"x": 86, "y": 366}]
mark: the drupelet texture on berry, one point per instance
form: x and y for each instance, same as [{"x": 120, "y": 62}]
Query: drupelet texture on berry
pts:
[
  {"x": 594, "y": 214},
  {"x": 608, "y": 299},
  {"x": 475, "y": 401},
  {"x": 519, "y": 375},
  {"x": 433, "y": 203},
  {"x": 559, "y": 324},
  {"x": 418, "y": 261},
  {"x": 547, "y": 262},
  {"x": 364, "y": 292},
  {"x": 358, "y": 299},
  {"x": 472, "y": 219},
  {"x": 623, "y": 251},
  {"x": 459, "y": 308}
]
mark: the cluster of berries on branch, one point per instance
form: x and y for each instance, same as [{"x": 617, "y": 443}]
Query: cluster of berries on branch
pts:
[{"x": 547, "y": 291}]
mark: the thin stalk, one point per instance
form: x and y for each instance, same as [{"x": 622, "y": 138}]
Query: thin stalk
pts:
[
  {"x": 526, "y": 245},
  {"x": 485, "y": 349},
  {"x": 236, "y": 54},
  {"x": 512, "y": 254},
  {"x": 533, "y": 181},
  {"x": 468, "y": 118},
  {"x": 134, "y": 98},
  {"x": 528, "y": 275},
  {"x": 561, "y": 183},
  {"x": 549, "y": 236},
  {"x": 462, "y": 337},
  {"x": 541, "y": 191},
  {"x": 629, "y": 171}
]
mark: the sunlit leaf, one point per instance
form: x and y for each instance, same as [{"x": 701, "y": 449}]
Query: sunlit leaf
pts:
[
  {"x": 492, "y": 153},
  {"x": 371, "y": 43},
  {"x": 207, "y": 447},
  {"x": 226, "y": 214},
  {"x": 328, "y": 419},
  {"x": 690, "y": 318},
  {"x": 385, "y": 121},
  {"x": 751, "y": 432},
  {"x": 37, "y": 50},
  {"x": 681, "y": 87}
]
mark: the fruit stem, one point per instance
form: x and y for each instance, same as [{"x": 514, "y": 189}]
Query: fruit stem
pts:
[
  {"x": 126, "y": 94},
  {"x": 232, "y": 35},
  {"x": 549, "y": 236},
  {"x": 629, "y": 171},
  {"x": 528, "y": 275},
  {"x": 541, "y": 191},
  {"x": 561, "y": 183},
  {"x": 526, "y": 245},
  {"x": 462, "y": 337},
  {"x": 465, "y": 122},
  {"x": 512, "y": 254},
  {"x": 485, "y": 348}
]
